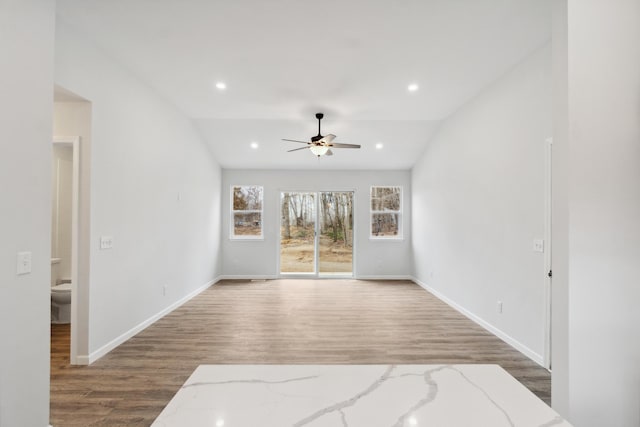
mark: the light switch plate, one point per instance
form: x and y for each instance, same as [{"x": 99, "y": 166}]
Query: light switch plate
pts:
[
  {"x": 538, "y": 245},
  {"x": 23, "y": 264},
  {"x": 106, "y": 242}
]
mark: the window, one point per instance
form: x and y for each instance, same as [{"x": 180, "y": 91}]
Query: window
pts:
[
  {"x": 386, "y": 213},
  {"x": 246, "y": 212}
]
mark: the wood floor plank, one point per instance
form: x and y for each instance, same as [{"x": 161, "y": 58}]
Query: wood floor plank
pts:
[{"x": 272, "y": 322}]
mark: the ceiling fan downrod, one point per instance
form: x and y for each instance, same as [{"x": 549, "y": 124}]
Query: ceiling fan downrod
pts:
[{"x": 319, "y": 116}]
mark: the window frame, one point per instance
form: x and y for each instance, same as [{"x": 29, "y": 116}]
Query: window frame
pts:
[
  {"x": 399, "y": 212},
  {"x": 233, "y": 212}
]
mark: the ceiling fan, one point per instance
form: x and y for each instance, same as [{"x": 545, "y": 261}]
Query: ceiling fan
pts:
[{"x": 321, "y": 145}]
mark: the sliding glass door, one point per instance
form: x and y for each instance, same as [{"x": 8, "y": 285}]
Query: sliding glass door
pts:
[
  {"x": 335, "y": 243},
  {"x": 298, "y": 233},
  {"x": 316, "y": 233}
]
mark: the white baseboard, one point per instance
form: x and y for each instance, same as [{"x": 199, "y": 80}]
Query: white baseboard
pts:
[
  {"x": 247, "y": 277},
  {"x": 141, "y": 326},
  {"x": 486, "y": 325},
  {"x": 294, "y": 276},
  {"x": 82, "y": 359}
]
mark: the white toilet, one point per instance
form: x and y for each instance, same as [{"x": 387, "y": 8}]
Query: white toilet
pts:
[{"x": 61, "y": 303}]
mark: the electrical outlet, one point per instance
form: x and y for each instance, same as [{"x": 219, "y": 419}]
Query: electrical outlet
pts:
[
  {"x": 23, "y": 263},
  {"x": 164, "y": 290},
  {"x": 106, "y": 242},
  {"x": 499, "y": 307}
]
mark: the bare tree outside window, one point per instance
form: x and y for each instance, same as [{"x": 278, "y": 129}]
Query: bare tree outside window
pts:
[
  {"x": 297, "y": 250},
  {"x": 386, "y": 212},
  {"x": 246, "y": 212}
]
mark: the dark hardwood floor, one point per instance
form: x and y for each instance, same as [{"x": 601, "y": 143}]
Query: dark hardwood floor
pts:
[{"x": 272, "y": 322}]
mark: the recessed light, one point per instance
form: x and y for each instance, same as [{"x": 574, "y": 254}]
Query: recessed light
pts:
[
  {"x": 412, "y": 87},
  {"x": 220, "y": 423},
  {"x": 379, "y": 146},
  {"x": 413, "y": 421},
  {"x": 221, "y": 85},
  {"x": 254, "y": 145}
]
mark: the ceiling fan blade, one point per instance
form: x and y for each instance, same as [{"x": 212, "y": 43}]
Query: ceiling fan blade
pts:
[
  {"x": 296, "y": 149},
  {"x": 337, "y": 145},
  {"x": 294, "y": 140},
  {"x": 328, "y": 138},
  {"x": 329, "y": 153}
]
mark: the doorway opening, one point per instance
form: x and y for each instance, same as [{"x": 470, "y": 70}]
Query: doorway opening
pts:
[
  {"x": 72, "y": 132},
  {"x": 316, "y": 234},
  {"x": 64, "y": 240}
]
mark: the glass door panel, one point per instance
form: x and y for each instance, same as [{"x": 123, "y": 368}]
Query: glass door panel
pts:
[
  {"x": 297, "y": 232},
  {"x": 336, "y": 233}
]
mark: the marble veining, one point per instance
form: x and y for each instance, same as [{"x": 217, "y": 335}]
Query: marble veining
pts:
[
  {"x": 355, "y": 396},
  {"x": 345, "y": 404},
  {"x": 430, "y": 396},
  {"x": 493, "y": 402},
  {"x": 254, "y": 381}
]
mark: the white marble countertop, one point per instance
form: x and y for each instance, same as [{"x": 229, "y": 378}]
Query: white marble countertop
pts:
[{"x": 355, "y": 396}]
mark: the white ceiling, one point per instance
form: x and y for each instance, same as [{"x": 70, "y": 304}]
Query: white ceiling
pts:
[{"x": 284, "y": 60}]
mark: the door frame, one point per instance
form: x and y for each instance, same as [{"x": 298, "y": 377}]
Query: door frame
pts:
[
  {"x": 548, "y": 280},
  {"x": 74, "y": 143},
  {"x": 316, "y": 273}
]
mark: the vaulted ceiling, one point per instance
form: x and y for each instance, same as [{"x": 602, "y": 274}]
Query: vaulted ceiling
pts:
[{"x": 284, "y": 60}]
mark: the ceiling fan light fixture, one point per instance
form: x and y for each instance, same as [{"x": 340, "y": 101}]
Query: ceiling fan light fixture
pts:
[{"x": 319, "y": 150}]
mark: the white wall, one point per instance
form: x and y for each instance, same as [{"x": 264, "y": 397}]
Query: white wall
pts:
[
  {"x": 26, "y": 98},
  {"x": 372, "y": 258},
  {"x": 155, "y": 189},
  {"x": 478, "y": 203},
  {"x": 603, "y": 170},
  {"x": 61, "y": 201}
]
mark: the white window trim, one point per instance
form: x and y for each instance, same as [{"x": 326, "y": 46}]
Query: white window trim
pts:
[
  {"x": 232, "y": 235},
  {"x": 399, "y": 212}
]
